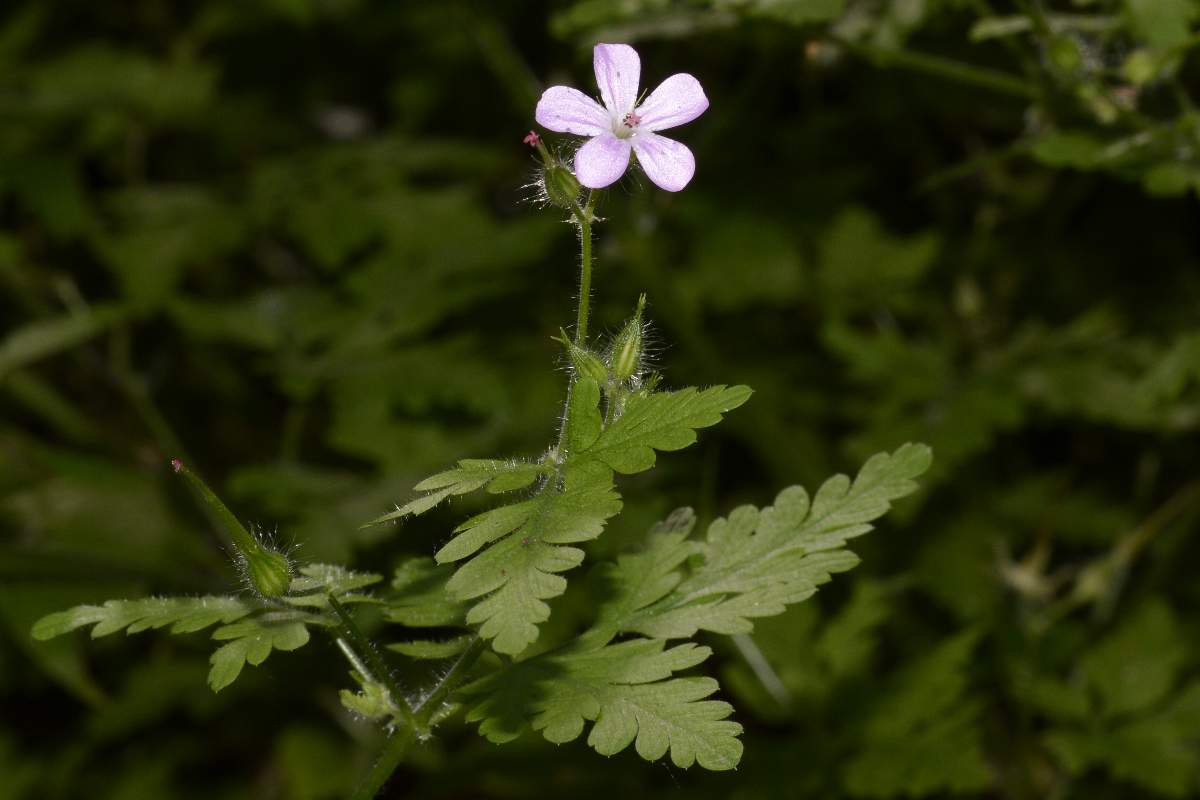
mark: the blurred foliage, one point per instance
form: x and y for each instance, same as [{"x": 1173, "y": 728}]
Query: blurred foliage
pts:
[{"x": 286, "y": 241}]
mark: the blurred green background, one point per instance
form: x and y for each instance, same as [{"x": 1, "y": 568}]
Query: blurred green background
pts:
[{"x": 291, "y": 242}]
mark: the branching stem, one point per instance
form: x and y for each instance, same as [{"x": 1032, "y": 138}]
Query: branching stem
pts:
[
  {"x": 370, "y": 656},
  {"x": 583, "y": 217},
  {"x": 450, "y": 681}
]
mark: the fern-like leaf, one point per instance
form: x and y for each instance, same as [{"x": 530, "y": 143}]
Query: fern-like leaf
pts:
[
  {"x": 183, "y": 614},
  {"x": 312, "y": 587},
  {"x": 755, "y": 563},
  {"x": 661, "y": 421},
  {"x": 471, "y": 474},
  {"x": 250, "y": 641},
  {"x": 518, "y": 551},
  {"x": 626, "y": 689},
  {"x": 518, "y": 574}
]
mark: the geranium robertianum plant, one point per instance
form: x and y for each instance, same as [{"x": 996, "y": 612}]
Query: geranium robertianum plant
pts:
[{"x": 475, "y": 607}]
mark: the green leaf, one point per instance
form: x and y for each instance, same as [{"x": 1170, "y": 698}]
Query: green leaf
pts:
[
  {"x": 585, "y": 422},
  {"x": 1161, "y": 23},
  {"x": 470, "y": 475},
  {"x": 923, "y": 736},
  {"x": 755, "y": 563},
  {"x": 183, "y": 614},
  {"x": 519, "y": 572},
  {"x": 250, "y": 642},
  {"x": 430, "y": 649},
  {"x": 661, "y": 421},
  {"x": 1156, "y": 752},
  {"x": 46, "y": 337},
  {"x": 372, "y": 701},
  {"x": 252, "y": 638},
  {"x": 420, "y": 599},
  {"x": 517, "y": 551},
  {"x": 1136, "y": 666},
  {"x": 317, "y": 581},
  {"x": 626, "y": 689}
]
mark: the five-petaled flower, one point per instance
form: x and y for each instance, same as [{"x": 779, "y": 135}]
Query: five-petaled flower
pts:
[{"x": 621, "y": 124}]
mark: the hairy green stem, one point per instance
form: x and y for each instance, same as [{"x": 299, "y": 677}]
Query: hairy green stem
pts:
[
  {"x": 389, "y": 759},
  {"x": 370, "y": 656},
  {"x": 584, "y": 218},
  {"x": 397, "y": 744},
  {"x": 427, "y": 707}
]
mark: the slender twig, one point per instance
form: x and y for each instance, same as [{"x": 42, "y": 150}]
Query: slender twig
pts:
[
  {"x": 370, "y": 656},
  {"x": 398, "y": 743}
]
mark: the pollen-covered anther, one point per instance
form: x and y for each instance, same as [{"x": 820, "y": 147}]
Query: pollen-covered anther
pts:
[{"x": 631, "y": 119}]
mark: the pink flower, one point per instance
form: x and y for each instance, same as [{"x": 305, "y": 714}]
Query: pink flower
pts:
[{"x": 621, "y": 125}]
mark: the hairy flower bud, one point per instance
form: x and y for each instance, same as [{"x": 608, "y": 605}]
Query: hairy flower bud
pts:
[
  {"x": 586, "y": 363},
  {"x": 627, "y": 348},
  {"x": 561, "y": 185},
  {"x": 268, "y": 571}
]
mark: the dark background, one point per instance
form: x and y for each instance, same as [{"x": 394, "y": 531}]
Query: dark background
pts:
[{"x": 291, "y": 242}]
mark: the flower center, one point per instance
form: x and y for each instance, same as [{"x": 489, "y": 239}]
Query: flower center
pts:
[{"x": 626, "y": 128}]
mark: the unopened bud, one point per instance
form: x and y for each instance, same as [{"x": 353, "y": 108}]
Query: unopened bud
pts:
[
  {"x": 627, "y": 347},
  {"x": 586, "y": 363},
  {"x": 562, "y": 187},
  {"x": 269, "y": 571}
]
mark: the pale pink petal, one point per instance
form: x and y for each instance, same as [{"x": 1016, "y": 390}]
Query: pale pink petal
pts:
[
  {"x": 601, "y": 160},
  {"x": 677, "y": 100},
  {"x": 568, "y": 110},
  {"x": 618, "y": 70},
  {"x": 669, "y": 164}
]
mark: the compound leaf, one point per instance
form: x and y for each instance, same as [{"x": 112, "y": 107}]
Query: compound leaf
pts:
[
  {"x": 661, "y": 421},
  {"x": 250, "y": 642},
  {"x": 626, "y": 689},
  {"x": 756, "y": 563},
  {"x": 183, "y": 614}
]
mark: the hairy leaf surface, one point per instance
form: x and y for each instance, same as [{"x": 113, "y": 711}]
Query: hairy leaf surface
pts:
[{"x": 626, "y": 690}]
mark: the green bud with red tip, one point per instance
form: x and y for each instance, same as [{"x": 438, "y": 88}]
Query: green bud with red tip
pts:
[
  {"x": 268, "y": 571},
  {"x": 559, "y": 183}
]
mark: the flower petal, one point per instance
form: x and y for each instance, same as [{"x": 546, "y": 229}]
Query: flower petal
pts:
[
  {"x": 568, "y": 110},
  {"x": 618, "y": 70},
  {"x": 601, "y": 160},
  {"x": 677, "y": 100},
  {"x": 668, "y": 163}
]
